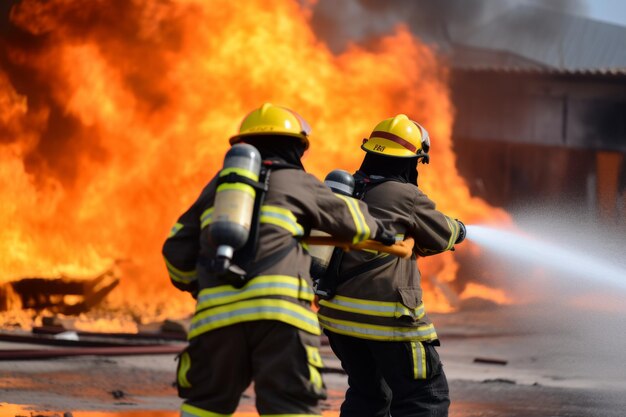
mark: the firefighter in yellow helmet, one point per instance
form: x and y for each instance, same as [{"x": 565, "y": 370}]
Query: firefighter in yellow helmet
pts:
[
  {"x": 375, "y": 318},
  {"x": 253, "y": 318}
]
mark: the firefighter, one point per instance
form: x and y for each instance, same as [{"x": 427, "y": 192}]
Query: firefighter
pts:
[
  {"x": 261, "y": 328},
  {"x": 376, "y": 322}
]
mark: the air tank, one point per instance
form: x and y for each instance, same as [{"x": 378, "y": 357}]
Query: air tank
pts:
[
  {"x": 340, "y": 182},
  {"x": 234, "y": 200}
]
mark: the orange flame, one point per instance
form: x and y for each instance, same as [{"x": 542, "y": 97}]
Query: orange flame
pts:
[{"x": 113, "y": 116}]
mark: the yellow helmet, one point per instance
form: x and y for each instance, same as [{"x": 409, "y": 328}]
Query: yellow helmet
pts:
[
  {"x": 273, "y": 120},
  {"x": 399, "y": 137}
]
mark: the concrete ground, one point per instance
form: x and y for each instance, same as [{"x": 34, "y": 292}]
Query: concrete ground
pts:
[{"x": 510, "y": 361}]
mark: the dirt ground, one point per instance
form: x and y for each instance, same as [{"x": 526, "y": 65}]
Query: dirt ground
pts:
[{"x": 513, "y": 361}]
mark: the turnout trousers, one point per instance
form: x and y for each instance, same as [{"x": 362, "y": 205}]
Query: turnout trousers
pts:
[
  {"x": 283, "y": 362},
  {"x": 397, "y": 379}
]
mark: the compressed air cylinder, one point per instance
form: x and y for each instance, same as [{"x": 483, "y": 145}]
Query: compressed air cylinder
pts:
[
  {"x": 340, "y": 182},
  {"x": 234, "y": 201}
]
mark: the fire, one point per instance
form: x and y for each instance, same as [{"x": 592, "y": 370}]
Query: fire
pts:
[
  {"x": 478, "y": 290},
  {"x": 113, "y": 116}
]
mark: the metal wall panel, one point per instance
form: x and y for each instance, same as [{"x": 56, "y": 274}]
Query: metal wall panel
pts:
[{"x": 541, "y": 109}]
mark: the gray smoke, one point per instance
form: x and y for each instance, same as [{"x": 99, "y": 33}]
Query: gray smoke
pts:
[{"x": 434, "y": 21}]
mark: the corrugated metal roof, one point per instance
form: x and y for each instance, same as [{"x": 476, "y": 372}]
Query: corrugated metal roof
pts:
[
  {"x": 466, "y": 57},
  {"x": 529, "y": 38}
]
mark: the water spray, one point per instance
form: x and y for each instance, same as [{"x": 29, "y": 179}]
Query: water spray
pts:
[{"x": 542, "y": 253}]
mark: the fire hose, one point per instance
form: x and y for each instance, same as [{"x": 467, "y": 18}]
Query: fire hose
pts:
[{"x": 402, "y": 249}]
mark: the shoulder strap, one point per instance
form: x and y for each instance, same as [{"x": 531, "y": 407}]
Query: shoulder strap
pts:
[
  {"x": 244, "y": 256},
  {"x": 249, "y": 249},
  {"x": 364, "y": 267},
  {"x": 327, "y": 283},
  {"x": 363, "y": 184}
]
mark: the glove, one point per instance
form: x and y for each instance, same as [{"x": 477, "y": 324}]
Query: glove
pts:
[
  {"x": 462, "y": 232},
  {"x": 385, "y": 237}
]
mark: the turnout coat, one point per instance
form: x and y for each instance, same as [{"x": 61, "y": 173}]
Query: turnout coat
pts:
[
  {"x": 279, "y": 290},
  {"x": 379, "y": 296}
]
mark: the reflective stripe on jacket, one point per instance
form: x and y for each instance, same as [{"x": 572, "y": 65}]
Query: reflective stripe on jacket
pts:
[
  {"x": 385, "y": 302},
  {"x": 295, "y": 203}
]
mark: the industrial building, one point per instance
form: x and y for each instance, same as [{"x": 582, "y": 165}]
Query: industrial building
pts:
[{"x": 541, "y": 113}]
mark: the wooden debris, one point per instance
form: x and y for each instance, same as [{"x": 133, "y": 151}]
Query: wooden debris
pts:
[
  {"x": 499, "y": 381},
  {"x": 69, "y": 296},
  {"x": 490, "y": 361}
]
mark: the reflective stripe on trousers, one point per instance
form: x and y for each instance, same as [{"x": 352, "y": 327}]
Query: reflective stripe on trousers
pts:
[{"x": 378, "y": 332}]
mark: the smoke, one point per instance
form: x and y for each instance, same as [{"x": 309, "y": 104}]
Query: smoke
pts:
[{"x": 442, "y": 22}]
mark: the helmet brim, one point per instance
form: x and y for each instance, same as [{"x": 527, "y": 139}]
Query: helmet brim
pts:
[{"x": 392, "y": 152}]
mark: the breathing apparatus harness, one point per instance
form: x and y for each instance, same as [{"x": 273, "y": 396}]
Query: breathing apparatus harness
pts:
[
  {"x": 237, "y": 272},
  {"x": 328, "y": 283}
]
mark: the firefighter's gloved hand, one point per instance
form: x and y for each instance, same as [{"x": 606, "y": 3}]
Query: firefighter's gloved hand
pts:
[
  {"x": 462, "y": 232},
  {"x": 385, "y": 237}
]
